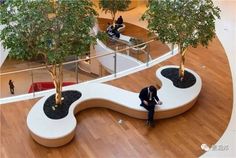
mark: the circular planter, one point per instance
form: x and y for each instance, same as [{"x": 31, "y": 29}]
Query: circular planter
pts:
[
  {"x": 136, "y": 41},
  {"x": 172, "y": 73},
  {"x": 177, "y": 96},
  {"x": 54, "y": 111},
  {"x": 139, "y": 48}
]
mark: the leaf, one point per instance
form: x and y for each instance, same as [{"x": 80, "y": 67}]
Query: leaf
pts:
[{"x": 183, "y": 22}]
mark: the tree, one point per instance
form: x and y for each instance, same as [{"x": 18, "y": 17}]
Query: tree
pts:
[
  {"x": 113, "y": 6},
  {"x": 183, "y": 22},
  {"x": 52, "y": 29}
]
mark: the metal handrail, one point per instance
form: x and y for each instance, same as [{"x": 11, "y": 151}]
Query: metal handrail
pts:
[{"x": 75, "y": 61}]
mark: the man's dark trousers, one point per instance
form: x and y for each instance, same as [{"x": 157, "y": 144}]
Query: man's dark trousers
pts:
[{"x": 150, "y": 108}]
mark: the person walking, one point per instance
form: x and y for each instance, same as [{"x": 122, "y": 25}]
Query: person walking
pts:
[{"x": 11, "y": 85}]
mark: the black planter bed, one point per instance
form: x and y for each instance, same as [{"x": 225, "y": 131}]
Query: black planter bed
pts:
[
  {"x": 173, "y": 74},
  {"x": 60, "y": 111}
]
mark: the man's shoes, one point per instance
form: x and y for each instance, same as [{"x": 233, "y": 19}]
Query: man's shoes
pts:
[{"x": 150, "y": 123}]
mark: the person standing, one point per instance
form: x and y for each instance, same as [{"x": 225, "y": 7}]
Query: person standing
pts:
[
  {"x": 149, "y": 100},
  {"x": 11, "y": 85},
  {"x": 119, "y": 21}
]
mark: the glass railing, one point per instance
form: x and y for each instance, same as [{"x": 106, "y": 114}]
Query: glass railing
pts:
[{"x": 32, "y": 76}]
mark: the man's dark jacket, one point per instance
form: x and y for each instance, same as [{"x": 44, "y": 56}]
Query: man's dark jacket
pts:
[{"x": 144, "y": 95}]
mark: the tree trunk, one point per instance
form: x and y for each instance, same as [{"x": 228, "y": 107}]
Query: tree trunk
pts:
[
  {"x": 57, "y": 76},
  {"x": 182, "y": 62},
  {"x": 113, "y": 18},
  {"x": 58, "y": 92}
]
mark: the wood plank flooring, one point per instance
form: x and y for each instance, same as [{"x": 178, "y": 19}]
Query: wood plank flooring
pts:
[{"x": 98, "y": 134}]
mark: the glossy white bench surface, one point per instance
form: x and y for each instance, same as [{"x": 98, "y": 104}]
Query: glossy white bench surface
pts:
[{"x": 120, "y": 100}]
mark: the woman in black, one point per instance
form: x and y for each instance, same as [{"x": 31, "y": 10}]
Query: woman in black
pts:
[{"x": 11, "y": 85}]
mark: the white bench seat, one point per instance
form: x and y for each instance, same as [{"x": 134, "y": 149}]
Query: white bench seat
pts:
[
  {"x": 122, "y": 28},
  {"x": 53, "y": 133}
]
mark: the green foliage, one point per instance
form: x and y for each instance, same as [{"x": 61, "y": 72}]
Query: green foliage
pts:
[
  {"x": 103, "y": 36},
  {"x": 54, "y": 30},
  {"x": 182, "y": 22},
  {"x": 113, "y": 6}
]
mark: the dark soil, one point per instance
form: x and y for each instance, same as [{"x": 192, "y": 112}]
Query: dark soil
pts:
[
  {"x": 173, "y": 74},
  {"x": 62, "y": 110}
]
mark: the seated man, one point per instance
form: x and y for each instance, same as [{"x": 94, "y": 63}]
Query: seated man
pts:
[
  {"x": 116, "y": 32},
  {"x": 110, "y": 31},
  {"x": 109, "y": 27},
  {"x": 149, "y": 100}
]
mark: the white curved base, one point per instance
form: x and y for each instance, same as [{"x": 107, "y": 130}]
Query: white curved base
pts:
[
  {"x": 53, "y": 133},
  {"x": 124, "y": 62},
  {"x": 85, "y": 66},
  {"x": 139, "y": 48},
  {"x": 122, "y": 28}
]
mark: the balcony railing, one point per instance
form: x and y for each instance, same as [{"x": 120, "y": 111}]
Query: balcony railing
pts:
[{"x": 31, "y": 78}]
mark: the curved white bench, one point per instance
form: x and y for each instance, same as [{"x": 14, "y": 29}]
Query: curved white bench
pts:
[
  {"x": 53, "y": 133},
  {"x": 123, "y": 62},
  {"x": 122, "y": 28},
  {"x": 127, "y": 40},
  {"x": 176, "y": 100}
]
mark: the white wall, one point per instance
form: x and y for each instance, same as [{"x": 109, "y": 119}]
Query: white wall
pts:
[{"x": 3, "y": 53}]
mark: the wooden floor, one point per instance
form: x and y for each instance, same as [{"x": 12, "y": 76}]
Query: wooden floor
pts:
[{"x": 99, "y": 135}]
